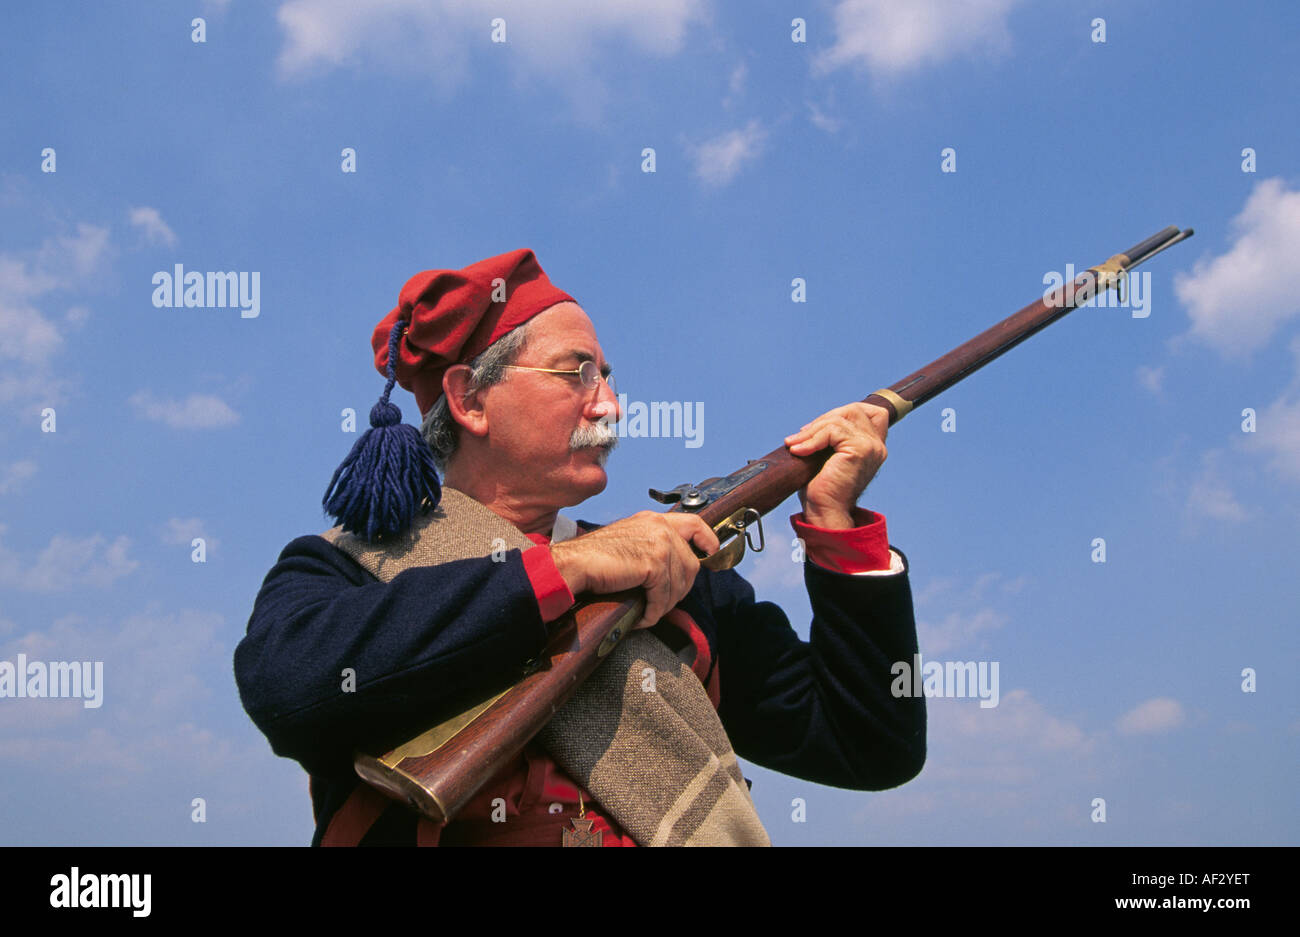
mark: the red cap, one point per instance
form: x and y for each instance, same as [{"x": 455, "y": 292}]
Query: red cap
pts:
[{"x": 454, "y": 315}]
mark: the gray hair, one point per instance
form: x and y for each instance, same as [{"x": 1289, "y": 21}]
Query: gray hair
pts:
[{"x": 440, "y": 429}]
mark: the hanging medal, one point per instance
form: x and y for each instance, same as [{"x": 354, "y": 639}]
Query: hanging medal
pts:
[{"x": 582, "y": 833}]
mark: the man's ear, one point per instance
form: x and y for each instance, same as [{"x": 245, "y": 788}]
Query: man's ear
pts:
[{"x": 464, "y": 405}]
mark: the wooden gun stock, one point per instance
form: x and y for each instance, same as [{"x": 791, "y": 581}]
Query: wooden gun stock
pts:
[{"x": 440, "y": 770}]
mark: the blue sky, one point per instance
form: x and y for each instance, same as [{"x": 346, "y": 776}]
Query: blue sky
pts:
[{"x": 774, "y": 159}]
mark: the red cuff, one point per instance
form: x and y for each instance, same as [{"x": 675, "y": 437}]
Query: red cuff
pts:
[
  {"x": 860, "y": 549},
  {"x": 553, "y": 595}
]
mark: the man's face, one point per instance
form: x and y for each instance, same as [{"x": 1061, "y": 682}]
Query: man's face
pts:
[{"x": 533, "y": 416}]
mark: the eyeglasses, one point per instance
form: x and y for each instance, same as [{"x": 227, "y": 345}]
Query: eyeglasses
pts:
[{"x": 587, "y": 372}]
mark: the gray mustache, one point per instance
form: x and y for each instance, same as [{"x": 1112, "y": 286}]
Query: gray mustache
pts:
[{"x": 593, "y": 435}]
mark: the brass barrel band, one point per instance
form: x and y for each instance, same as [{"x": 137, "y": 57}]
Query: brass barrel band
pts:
[
  {"x": 1109, "y": 273},
  {"x": 901, "y": 407}
]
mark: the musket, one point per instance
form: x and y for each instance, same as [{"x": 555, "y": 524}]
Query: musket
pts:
[{"x": 438, "y": 771}]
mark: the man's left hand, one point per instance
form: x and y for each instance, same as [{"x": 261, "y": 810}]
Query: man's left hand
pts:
[{"x": 857, "y": 434}]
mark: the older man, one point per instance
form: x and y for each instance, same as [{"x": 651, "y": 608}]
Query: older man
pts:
[{"x": 356, "y": 640}]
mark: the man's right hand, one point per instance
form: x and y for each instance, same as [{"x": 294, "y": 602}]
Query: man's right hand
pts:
[{"x": 647, "y": 550}]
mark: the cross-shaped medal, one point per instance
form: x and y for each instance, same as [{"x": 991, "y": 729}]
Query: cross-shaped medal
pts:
[{"x": 582, "y": 834}]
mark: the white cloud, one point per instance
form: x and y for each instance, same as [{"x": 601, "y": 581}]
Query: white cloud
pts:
[
  {"x": 1153, "y": 379},
  {"x": 1210, "y": 495},
  {"x": 1017, "y": 722},
  {"x": 964, "y": 617},
  {"x": 151, "y": 223},
  {"x": 26, "y": 336},
  {"x": 181, "y": 531},
  {"x": 1277, "y": 432},
  {"x": 60, "y": 263},
  {"x": 18, "y": 281},
  {"x": 562, "y": 46},
  {"x": 980, "y": 755},
  {"x": 717, "y": 161},
  {"x": 1276, "y": 439},
  {"x": 31, "y": 333},
  {"x": 1014, "y": 765},
  {"x": 82, "y": 252},
  {"x": 330, "y": 32},
  {"x": 150, "y": 656},
  {"x": 197, "y": 411},
  {"x": 957, "y": 629},
  {"x": 889, "y": 37},
  {"x": 1155, "y": 715},
  {"x": 823, "y": 121},
  {"x": 1238, "y": 299},
  {"x": 736, "y": 85},
  {"x": 151, "y": 683},
  {"x": 439, "y": 35},
  {"x": 14, "y": 475},
  {"x": 70, "y": 561},
  {"x": 66, "y": 563}
]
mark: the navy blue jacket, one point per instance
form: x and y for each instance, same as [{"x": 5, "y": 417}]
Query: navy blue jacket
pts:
[{"x": 819, "y": 710}]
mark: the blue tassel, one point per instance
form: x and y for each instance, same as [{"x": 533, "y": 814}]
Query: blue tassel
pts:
[{"x": 377, "y": 489}]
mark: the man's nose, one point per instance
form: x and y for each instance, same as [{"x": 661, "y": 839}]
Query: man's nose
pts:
[{"x": 605, "y": 404}]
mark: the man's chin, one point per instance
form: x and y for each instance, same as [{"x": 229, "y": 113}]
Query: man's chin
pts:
[{"x": 591, "y": 483}]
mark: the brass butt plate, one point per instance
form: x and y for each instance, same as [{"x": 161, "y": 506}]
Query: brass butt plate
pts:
[
  {"x": 385, "y": 771},
  {"x": 400, "y": 786}
]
